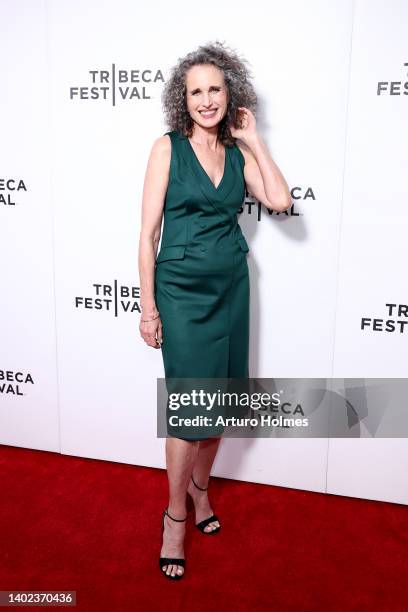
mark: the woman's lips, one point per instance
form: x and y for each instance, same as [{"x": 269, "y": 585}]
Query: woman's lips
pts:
[{"x": 208, "y": 114}]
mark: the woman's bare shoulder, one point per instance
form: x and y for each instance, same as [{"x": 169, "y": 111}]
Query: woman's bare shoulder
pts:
[
  {"x": 162, "y": 144},
  {"x": 160, "y": 153}
]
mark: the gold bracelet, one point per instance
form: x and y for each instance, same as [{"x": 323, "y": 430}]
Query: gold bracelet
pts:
[{"x": 147, "y": 320}]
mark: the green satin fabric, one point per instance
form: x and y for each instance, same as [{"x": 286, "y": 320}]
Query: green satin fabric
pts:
[{"x": 201, "y": 274}]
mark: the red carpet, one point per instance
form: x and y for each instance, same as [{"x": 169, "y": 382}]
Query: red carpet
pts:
[{"x": 95, "y": 527}]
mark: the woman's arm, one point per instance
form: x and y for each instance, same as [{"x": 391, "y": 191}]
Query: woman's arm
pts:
[
  {"x": 154, "y": 192},
  {"x": 263, "y": 178}
]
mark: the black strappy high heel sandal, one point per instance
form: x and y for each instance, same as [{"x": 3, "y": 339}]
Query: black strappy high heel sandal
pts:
[
  {"x": 169, "y": 561},
  {"x": 201, "y": 526}
]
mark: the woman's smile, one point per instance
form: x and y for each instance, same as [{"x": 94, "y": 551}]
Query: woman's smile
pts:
[{"x": 208, "y": 114}]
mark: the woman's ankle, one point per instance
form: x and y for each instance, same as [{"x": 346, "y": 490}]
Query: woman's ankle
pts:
[{"x": 177, "y": 511}]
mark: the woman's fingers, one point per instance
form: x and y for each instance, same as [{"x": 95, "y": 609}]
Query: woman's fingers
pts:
[
  {"x": 150, "y": 339},
  {"x": 151, "y": 332},
  {"x": 159, "y": 335}
]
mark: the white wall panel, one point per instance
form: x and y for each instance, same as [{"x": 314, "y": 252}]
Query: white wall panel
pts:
[
  {"x": 28, "y": 379},
  {"x": 374, "y": 225}
]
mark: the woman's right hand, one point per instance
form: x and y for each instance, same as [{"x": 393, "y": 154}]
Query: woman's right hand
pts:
[{"x": 152, "y": 332}]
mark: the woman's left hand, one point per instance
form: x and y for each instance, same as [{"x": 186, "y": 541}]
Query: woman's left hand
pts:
[{"x": 248, "y": 123}]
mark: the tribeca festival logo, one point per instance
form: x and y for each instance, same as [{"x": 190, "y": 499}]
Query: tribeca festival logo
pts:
[
  {"x": 394, "y": 88},
  {"x": 11, "y": 382},
  {"x": 10, "y": 190},
  {"x": 254, "y": 207},
  {"x": 112, "y": 298},
  {"x": 397, "y": 321},
  {"x": 117, "y": 85}
]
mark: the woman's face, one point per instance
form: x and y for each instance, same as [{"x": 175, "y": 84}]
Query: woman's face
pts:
[{"x": 206, "y": 94}]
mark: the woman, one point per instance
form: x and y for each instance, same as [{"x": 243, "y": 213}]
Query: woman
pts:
[{"x": 195, "y": 294}]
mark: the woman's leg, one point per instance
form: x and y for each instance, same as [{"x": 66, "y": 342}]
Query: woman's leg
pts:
[
  {"x": 201, "y": 474},
  {"x": 180, "y": 457}
]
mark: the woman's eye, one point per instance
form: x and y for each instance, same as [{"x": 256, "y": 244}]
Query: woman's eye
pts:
[{"x": 216, "y": 89}]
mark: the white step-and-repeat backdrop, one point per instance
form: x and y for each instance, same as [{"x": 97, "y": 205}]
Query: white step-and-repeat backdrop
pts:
[{"x": 81, "y": 85}]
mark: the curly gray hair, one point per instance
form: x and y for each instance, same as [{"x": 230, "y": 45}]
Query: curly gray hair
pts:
[{"x": 237, "y": 79}]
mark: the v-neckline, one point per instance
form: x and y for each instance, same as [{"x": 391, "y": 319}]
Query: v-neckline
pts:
[{"x": 204, "y": 171}]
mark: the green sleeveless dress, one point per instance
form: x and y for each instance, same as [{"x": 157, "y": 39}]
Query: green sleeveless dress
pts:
[{"x": 201, "y": 273}]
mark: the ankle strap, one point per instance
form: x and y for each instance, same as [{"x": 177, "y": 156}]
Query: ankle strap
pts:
[
  {"x": 196, "y": 485},
  {"x": 174, "y": 519}
]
